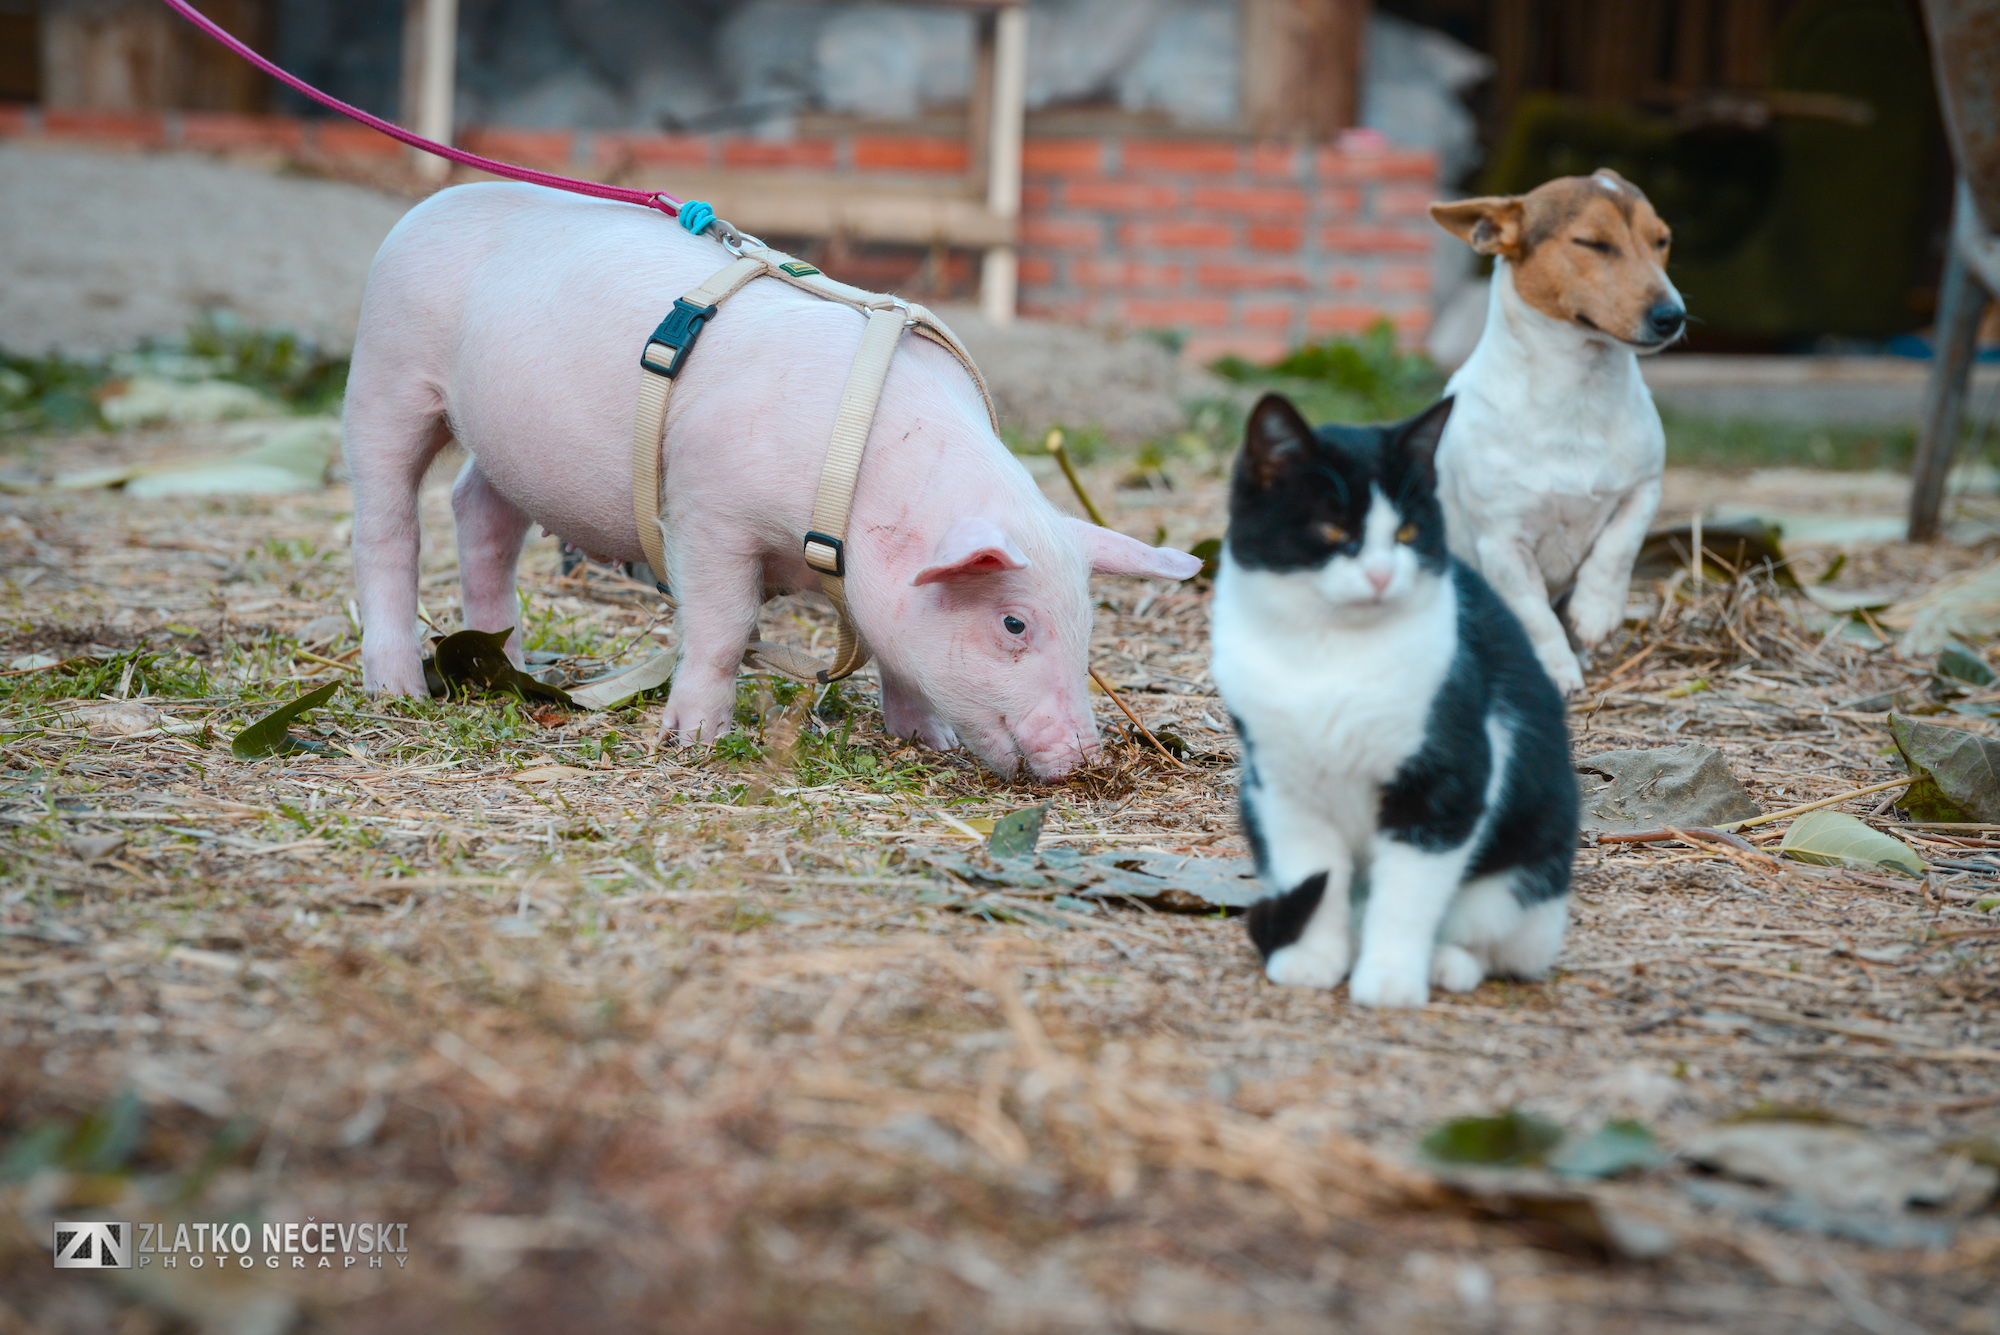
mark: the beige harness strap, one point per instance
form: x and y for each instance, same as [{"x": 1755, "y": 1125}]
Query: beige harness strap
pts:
[
  {"x": 826, "y": 544},
  {"x": 662, "y": 360}
]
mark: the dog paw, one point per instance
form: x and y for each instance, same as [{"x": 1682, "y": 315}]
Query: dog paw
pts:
[
  {"x": 1388, "y": 985},
  {"x": 1594, "y": 621},
  {"x": 1456, "y": 969},
  {"x": 1301, "y": 966},
  {"x": 1563, "y": 669}
]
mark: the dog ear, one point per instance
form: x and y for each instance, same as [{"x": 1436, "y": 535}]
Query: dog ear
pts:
[
  {"x": 1275, "y": 437},
  {"x": 1490, "y": 224}
]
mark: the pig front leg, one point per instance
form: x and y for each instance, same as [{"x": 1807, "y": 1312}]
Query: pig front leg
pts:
[
  {"x": 391, "y": 436},
  {"x": 720, "y": 593},
  {"x": 491, "y": 529},
  {"x": 905, "y": 713}
]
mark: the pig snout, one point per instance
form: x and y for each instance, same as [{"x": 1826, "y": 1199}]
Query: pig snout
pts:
[{"x": 1054, "y": 740}]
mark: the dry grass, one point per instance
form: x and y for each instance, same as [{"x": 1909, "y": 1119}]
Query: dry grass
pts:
[{"x": 686, "y": 1043}]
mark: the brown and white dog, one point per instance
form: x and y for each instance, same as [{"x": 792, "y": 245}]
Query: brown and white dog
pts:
[{"x": 1549, "y": 469}]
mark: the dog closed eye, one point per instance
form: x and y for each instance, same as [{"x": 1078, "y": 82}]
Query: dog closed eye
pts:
[{"x": 1601, "y": 247}]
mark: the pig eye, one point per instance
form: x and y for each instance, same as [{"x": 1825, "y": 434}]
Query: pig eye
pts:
[{"x": 1015, "y": 626}]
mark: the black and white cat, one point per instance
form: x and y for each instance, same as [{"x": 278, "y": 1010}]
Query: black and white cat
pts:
[{"x": 1406, "y": 773}]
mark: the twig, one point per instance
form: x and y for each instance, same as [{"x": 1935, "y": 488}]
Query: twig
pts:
[
  {"x": 332, "y": 663},
  {"x": 1628, "y": 664},
  {"x": 1053, "y": 442},
  {"x": 1815, "y": 806},
  {"x": 1116, "y": 700}
]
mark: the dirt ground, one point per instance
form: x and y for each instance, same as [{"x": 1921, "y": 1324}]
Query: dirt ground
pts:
[{"x": 701, "y": 1041}]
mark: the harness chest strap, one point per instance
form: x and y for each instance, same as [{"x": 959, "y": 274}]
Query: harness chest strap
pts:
[{"x": 825, "y": 545}]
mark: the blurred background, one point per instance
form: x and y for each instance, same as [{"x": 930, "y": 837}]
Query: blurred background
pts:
[{"x": 1225, "y": 181}]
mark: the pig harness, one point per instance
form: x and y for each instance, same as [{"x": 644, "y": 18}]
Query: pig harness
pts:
[{"x": 666, "y": 351}]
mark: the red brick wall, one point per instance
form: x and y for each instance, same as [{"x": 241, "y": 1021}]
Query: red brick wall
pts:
[
  {"x": 1235, "y": 246},
  {"x": 1241, "y": 247}
]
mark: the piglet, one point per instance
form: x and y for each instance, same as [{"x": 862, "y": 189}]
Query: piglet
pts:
[{"x": 512, "y": 317}]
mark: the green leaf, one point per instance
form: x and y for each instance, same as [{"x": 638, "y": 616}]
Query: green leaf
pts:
[
  {"x": 1835, "y": 839},
  {"x": 618, "y": 687},
  {"x": 479, "y": 658},
  {"x": 1016, "y": 833},
  {"x": 1514, "y": 1139},
  {"x": 1209, "y": 552},
  {"x": 1958, "y": 772},
  {"x": 269, "y": 735},
  {"x": 1956, "y": 664},
  {"x": 1614, "y": 1148}
]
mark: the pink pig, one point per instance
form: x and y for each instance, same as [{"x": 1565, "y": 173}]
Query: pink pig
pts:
[{"x": 512, "y": 317}]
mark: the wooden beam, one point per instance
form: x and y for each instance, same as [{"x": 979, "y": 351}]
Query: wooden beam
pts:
[
  {"x": 1962, "y": 302},
  {"x": 998, "y": 272},
  {"x": 1301, "y": 70},
  {"x": 430, "y": 70},
  {"x": 119, "y": 57},
  {"x": 787, "y": 204}
]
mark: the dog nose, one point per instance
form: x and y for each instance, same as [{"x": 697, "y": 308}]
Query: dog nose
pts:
[{"x": 1665, "y": 319}]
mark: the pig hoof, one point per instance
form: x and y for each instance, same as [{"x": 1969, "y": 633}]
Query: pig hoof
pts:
[
  {"x": 400, "y": 681},
  {"x": 690, "y": 732}
]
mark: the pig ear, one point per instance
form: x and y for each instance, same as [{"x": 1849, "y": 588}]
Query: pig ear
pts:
[
  {"x": 972, "y": 547},
  {"x": 1112, "y": 553}
]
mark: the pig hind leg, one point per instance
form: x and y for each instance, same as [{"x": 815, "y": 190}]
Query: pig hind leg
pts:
[
  {"x": 391, "y": 436},
  {"x": 491, "y": 529},
  {"x": 720, "y": 592}
]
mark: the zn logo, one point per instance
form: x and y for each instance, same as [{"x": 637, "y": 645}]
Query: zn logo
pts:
[{"x": 93, "y": 1246}]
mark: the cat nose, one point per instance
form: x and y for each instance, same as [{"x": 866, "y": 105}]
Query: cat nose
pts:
[{"x": 1380, "y": 576}]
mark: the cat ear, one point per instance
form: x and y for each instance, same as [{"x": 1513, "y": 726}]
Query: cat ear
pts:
[
  {"x": 1422, "y": 433},
  {"x": 1276, "y": 435}
]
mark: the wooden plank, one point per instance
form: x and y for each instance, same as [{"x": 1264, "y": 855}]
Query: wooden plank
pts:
[
  {"x": 1513, "y": 31},
  {"x": 430, "y": 70},
  {"x": 777, "y": 204},
  {"x": 1302, "y": 66},
  {"x": 108, "y": 57},
  {"x": 1961, "y": 304},
  {"x": 999, "y": 274}
]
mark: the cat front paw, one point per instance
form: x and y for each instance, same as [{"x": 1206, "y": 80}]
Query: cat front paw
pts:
[
  {"x": 1456, "y": 969},
  {"x": 1380, "y": 985},
  {"x": 1304, "y": 966}
]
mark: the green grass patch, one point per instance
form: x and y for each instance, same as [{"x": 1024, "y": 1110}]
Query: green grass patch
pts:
[
  {"x": 1365, "y": 379},
  {"x": 61, "y": 393},
  {"x": 1705, "y": 442}
]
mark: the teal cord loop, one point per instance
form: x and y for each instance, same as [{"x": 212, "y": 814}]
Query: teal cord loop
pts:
[{"x": 696, "y": 215}]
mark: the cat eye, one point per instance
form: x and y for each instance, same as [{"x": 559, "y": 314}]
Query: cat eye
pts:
[
  {"x": 1015, "y": 626},
  {"x": 1407, "y": 533},
  {"x": 1332, "y": 534}
]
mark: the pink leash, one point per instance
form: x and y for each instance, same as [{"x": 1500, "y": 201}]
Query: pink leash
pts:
[{"x": 666, "y": 204}]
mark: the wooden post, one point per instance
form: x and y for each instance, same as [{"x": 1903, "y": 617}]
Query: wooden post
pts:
[
  {"x": 1006, "y": 114},
  {"x": 112, "y": 57},
  {"x": 1302, "y": 66},
  {"x": 430, "y": 67},
  {"x": 1962, "y": 302}
]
